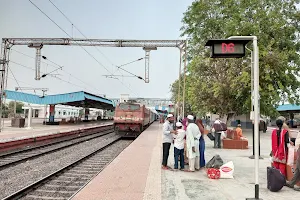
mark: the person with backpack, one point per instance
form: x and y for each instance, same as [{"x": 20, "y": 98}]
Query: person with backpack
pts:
[{"x": 217, "y": 127}]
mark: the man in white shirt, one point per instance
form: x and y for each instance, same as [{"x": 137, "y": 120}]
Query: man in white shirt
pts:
[
  {"x": 296, "y": 177},
  {"x": 179, "y": 146},
  {"x": 167, "y": 139},
  {"x": 192, "y": 143}
]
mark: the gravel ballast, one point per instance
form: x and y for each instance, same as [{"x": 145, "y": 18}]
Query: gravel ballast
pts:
[{"x": 16, "y": 177}]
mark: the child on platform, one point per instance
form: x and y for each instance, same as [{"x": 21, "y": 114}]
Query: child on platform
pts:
[{"x": 179, "y": 146}]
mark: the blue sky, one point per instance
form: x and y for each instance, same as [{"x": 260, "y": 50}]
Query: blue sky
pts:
[{"x": 114, "y": 19}]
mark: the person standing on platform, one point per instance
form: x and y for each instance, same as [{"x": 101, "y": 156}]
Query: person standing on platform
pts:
[
  {"x": 179, "y": 146},
  {"x": 285, "y": 126},
  {"x": 167, "y": 139},
  {"x": 217, "y": 128},
  {"x": 192, "y": 143},
  {"x": 280, "y": 139},
  {"x": 296, "y": 177},
  {"x": 201, "y": 143}
]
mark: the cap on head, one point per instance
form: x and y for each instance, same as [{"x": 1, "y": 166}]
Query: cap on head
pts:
[
  {"x": 281, "y": 118},
  {"x": 169, "y": 115},
  {"x": 239, "y": 125},
  {"x": 178, "y": 124},
  {"x": 190, "y": 117}
]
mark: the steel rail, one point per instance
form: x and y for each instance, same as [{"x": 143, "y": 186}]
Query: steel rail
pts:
[
  {"x": 5, "y": 165},
  {"x": 24, "y": 191},
  {"x": 64, "y": 139}
]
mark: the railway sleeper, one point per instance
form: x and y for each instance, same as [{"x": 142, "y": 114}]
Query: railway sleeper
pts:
[
  {"x": 50, "y": 193},
  {"x": 49, "y": 186},
  {"x": 63, "y": 183},
  {"x": 34, "y": 197},
  {"x": 88, "y": 171}
]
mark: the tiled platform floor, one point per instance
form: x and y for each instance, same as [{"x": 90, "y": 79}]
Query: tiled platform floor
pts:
[{"x": 134, "y": 175}]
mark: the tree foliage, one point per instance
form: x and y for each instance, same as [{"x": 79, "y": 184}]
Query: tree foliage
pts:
[
  {"x": 19, "y": 105},
  {"x": 224, "y": 85}
]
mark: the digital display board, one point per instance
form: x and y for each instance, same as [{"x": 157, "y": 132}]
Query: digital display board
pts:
[{"x": 227, "y": 48}]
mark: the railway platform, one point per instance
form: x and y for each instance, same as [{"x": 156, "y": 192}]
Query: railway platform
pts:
[
  {"x": 12, "y": 136},
  {"x": 136, "y": 174}
]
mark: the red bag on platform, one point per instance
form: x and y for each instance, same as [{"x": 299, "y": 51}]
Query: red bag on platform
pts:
[{"x": 213, "y": 173}]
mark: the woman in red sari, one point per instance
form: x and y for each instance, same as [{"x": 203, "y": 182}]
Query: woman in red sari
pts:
[{"x": 280, "y": 139}]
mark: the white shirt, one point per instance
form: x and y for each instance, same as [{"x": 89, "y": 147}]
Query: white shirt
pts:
[
  {"x": 194, "y": 134},
  {"x": 167, "y": 135},
  {"x": 179, "y": 139},
  {"x": 297, "y": 142}
]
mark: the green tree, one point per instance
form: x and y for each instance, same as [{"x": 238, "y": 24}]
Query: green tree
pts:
[
  {"x": 223, "y": 85},
  {"x": 19, "y": 105},
  {"x": 4, "y": 110}
]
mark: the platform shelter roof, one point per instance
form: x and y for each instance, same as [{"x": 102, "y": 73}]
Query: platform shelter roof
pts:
[
  {"x": 78, "y": 99},
  {"x": 288, "y": 108}
]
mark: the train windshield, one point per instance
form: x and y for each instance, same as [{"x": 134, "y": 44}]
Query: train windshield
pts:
[{"x": 123, "y": 106}]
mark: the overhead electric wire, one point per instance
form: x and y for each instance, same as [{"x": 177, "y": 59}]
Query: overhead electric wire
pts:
[
  {"x": 56, "y": 68},
  {"x": 112, "y": 74},
  {"x": 52, "y": 75},
  {"x": 16, "y": 80},
  {"x": 77, "y": 43},
  {"x": 120, "y": 67},
  {"x": 81, "y": 32}
]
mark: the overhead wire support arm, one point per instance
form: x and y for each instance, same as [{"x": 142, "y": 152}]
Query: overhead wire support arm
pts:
[
  {"x": 96, "y": 42},
  {"x": 38, "y": 43},
  {"x": 147, "y": 45}
]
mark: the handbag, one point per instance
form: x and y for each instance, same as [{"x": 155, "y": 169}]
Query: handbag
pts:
[
  {"x": 291, "y": 156},
  {"x": 211, "y": 137}
]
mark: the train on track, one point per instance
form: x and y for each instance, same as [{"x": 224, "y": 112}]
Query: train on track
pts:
[{"x": 132, "y": 118}]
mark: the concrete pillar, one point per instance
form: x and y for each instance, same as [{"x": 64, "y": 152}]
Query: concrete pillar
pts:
[
  {"x": 29, "y": 118},
  {"x": 51, "y": 113},
  {"x": 86, "y": 113}
]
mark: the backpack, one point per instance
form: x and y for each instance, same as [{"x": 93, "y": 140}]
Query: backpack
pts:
[{"x": 215, "y": 162}]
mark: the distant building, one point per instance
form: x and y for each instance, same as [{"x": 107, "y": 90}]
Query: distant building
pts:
[{"x": 62, "y": 112}]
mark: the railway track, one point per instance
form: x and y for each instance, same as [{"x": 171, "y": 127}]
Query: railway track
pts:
[
  {"x": 67, "y": 181},
  {"x": 14, "y": 158}
]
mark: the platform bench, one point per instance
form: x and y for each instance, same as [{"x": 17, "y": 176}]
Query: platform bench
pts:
[{"x": 232, "y": 141}]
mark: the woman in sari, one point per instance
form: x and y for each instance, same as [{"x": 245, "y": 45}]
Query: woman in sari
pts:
[
  {"x": 280, "y": 139},
  {"x": 201, "y": 143}
]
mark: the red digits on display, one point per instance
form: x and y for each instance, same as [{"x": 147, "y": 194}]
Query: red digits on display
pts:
[{"x": 227, "y": 48}]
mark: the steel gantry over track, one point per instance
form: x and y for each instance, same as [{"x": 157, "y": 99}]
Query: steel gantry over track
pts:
[{"x": 38, "y": 43}]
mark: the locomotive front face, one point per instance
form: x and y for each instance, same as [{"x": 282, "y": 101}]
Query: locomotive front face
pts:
[
  {"x": 128, "y": 119},
  {"x": 128, "y": 113}
]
